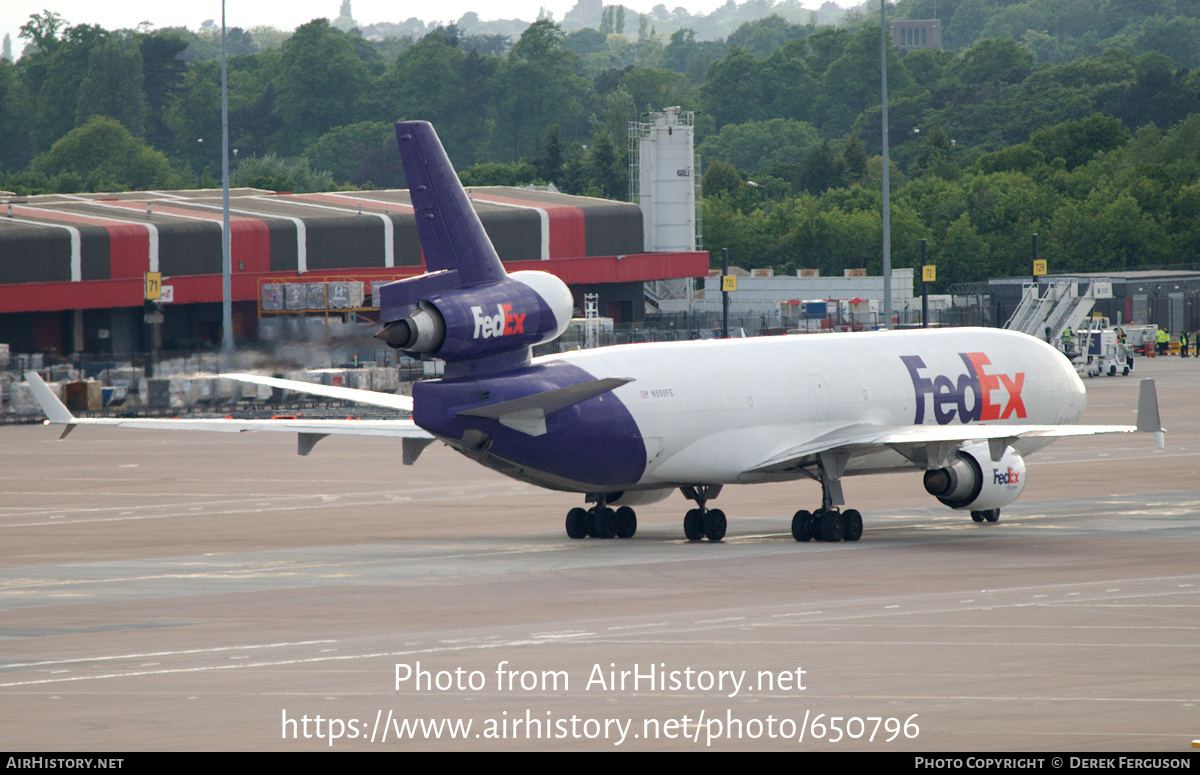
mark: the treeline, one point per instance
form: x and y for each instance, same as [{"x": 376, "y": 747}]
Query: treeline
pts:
[{"x": 1062, "y": 117}]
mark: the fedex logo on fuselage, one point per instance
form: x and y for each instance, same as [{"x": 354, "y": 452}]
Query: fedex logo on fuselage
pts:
[
  {"x": 503, "y": 323},
  {"x": 949, "y": 394}
]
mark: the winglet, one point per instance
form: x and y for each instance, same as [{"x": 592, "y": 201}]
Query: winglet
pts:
[
  {"x": 56, "y": 412},
  {"x": 1148, "y": 419}
]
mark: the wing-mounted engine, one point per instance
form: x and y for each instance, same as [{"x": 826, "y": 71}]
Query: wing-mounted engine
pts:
[
  {"x": 467, "y": 310},
  {"x": 974, "y": 481}
]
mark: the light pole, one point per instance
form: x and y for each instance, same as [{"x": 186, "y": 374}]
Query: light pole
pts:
[
  {"x": 887, "y": 217},
  {"x": 226, "y": 250}
]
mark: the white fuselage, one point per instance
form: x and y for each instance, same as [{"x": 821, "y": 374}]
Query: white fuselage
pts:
[{"x": 711, "y": 412}]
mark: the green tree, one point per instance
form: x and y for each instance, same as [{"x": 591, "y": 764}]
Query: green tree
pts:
[
  {"x": 14, "y": 132},
  {"x": 757, "y": 144},
  {"x": 102, "y": 155},
  {"x": 363, "y": 154},
  {"x": 935, "y": 154},
  {"x": 851, "y": 84},
  {"x": 426, "y": 82},
  {"x": 274, "y": 173},
  {"x": 820, "y": 171},
  {"x": 321, "y": 82},
  {"x": 721, "y": 178},
  {"x": 995, "y": 61},
  {"x": 163, "y": 73},
  {"x": 54, "y": 75},
  {"x": 966, "y": 24},
  {"x": 548, "y": 156},
  {"x": 492, "y": 173},
  {"x": 113, "y": 86},
  {"x": 609, "y": 169},
  {"x": 733, "y": 89},
  {"x": 540, "y": 85},
  {"x": 654, "y": 89},
  {"x": 854, "y": 158},
  {"x": 1077, "y": 142}
]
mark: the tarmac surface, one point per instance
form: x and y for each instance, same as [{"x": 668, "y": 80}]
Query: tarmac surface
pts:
[{"x": 191, "y": 591}]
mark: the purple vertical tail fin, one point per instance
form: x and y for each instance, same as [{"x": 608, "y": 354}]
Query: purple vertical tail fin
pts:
[
  {"x": 451, "y": 235},
  {"x": 466, "y": 310}
]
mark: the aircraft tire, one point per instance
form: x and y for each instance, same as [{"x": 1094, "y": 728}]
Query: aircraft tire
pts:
[
  {"x": 693, "y": 525},
  {"x": 992, "y": 515},
  {"x": 800, "y": 526},
  {"x": 577, "y": 523},
  {"x": 832, "y": 527},
  {"x": 714, "y": 525},
  {"x": 626, "y": 522},
  {"x": 814, "y": 525},
  {"x": 852, "y": 526},
  {"x": 606, "y": 523},
  {"x": 977, "y": 516}
]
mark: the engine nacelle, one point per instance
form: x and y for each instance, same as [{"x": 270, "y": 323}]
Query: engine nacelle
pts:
[
  {"x": 974, "y": 481},
  {"x": 461, "y": 324}
]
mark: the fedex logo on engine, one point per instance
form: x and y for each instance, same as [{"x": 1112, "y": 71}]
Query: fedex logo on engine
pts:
[
  {"x": 503, "y": 323},
  {"x": 949, "y": 395},
  {"x": 1005, "y": 477}
]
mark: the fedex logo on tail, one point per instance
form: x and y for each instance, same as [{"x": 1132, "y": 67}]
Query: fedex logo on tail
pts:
[
  {"x": 949, "y": 394},
  {"x": 503, "y": 323}
]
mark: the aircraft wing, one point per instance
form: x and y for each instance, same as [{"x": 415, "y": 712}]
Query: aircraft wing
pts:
[
  {"x": 856, "y": 440},
  {"x": 368, "y": 397},
  {"x": 309, "y": 432},
  {"x": 931, "y": 445}
]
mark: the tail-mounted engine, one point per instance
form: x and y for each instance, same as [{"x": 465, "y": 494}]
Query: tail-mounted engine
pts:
[
  {"x": 460, "y": 324},
  {"x": 467, "y": 310},
  {"x": 974, "y": 481}
]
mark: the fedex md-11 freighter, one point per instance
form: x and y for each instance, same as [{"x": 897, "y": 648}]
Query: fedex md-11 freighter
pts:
[{"x": 627, "y": 425}]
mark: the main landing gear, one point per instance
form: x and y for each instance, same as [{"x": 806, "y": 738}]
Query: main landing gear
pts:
[
  {"x": 600, "y": 521},
  {"x": 828, "y": 523},
  {"x": 702, "y": 522},
  {"x": 991, "y": 515}
]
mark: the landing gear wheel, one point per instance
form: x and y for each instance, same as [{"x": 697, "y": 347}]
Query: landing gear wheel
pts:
[
  {"x": 977, "y": 516},
  {"x": 992, "y": 515},
  {"x": 800, "y": 526},
  {"x": 693, "y": 525},
  {"x": 577, "y": 520},
  {"x": 626, "y": 522},
  {"x": 832, "y": 527},
  {"x": 851, "y": 525},
  {"x": 606, "y": 523},
  {"x": 814, "y": 525},
  {"x": 714, "y": 525}
]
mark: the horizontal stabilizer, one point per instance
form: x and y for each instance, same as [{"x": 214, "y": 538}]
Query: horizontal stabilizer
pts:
[{"x": 528, "y": 414}]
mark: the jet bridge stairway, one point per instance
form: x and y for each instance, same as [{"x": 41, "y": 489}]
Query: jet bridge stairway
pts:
[{"x": 1061, "y": 306}]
